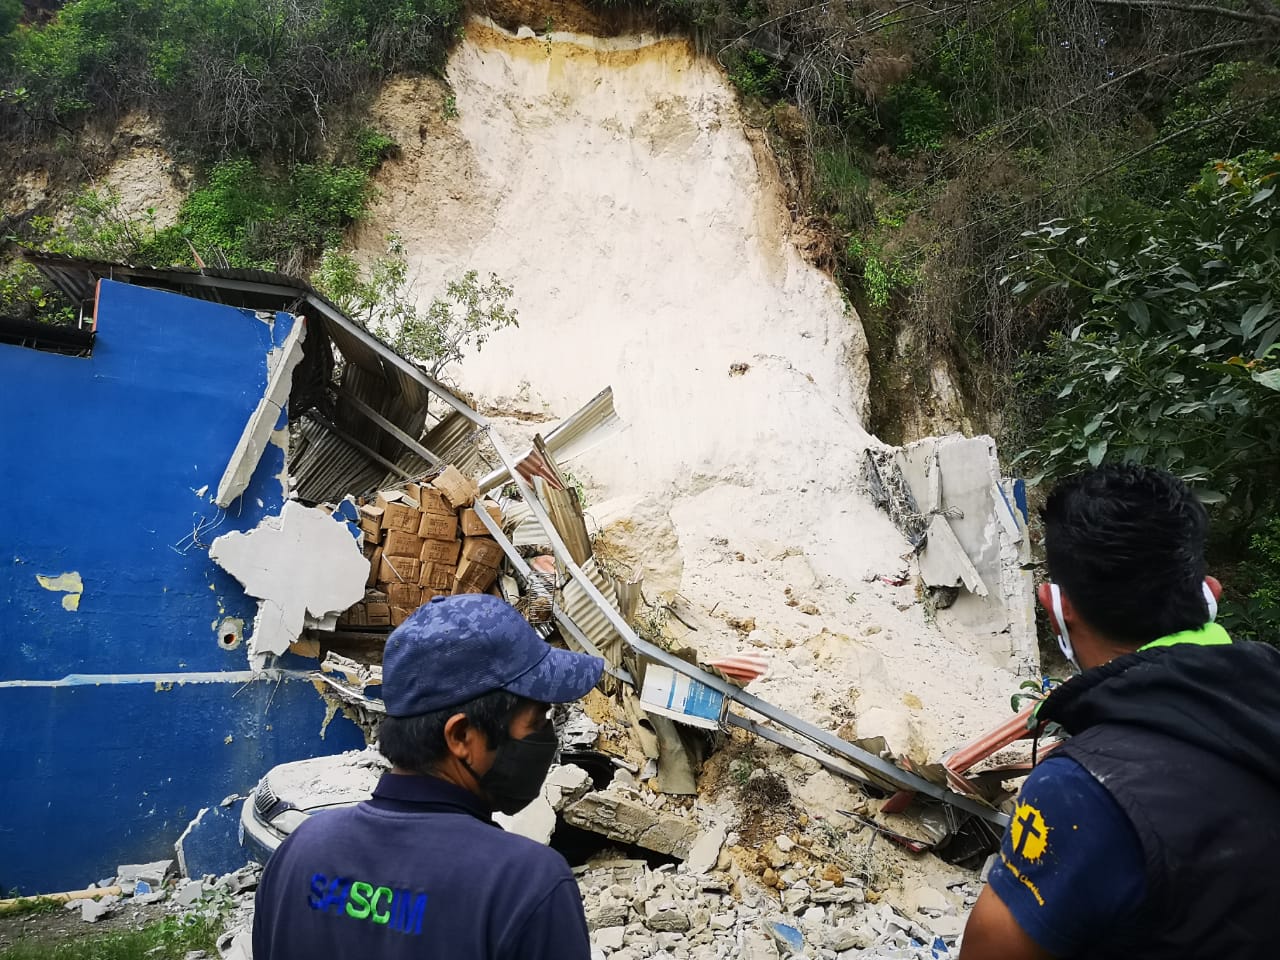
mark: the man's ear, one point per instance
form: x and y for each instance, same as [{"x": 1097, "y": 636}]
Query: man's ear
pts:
[
  {"x": 1044, "y": 593},
  {"x": 458, "y": 736},
  {"x": 1214, "y": 587}
]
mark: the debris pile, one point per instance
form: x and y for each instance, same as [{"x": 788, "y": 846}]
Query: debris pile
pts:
[
  {"x": 426, "y": 540},
  {"x": 634, "y": 912}
]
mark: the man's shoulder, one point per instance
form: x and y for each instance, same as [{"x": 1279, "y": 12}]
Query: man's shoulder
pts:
[{"x": 514, "y": 849}]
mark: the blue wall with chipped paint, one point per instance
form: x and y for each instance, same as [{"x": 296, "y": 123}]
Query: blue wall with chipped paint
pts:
[{"x": 108, "y": 466}]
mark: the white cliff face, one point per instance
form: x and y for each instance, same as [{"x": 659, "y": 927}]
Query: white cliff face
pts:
[{"x": 613, "y": 184}]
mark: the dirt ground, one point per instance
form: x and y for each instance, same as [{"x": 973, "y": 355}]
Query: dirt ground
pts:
[{"x": 59, "y": 925}]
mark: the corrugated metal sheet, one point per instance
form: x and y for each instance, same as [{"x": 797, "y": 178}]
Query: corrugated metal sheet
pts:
[
  {"x": 588, "y": 617},
  {"x": 525, "y": 530},
  {"x": 458, "y": 440},
  {"x": 327, "y": 468},
  {"x": 595, "y": 422}
]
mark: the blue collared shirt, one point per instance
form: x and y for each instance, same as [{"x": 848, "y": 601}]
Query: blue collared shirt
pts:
[{"x": 420, "y": 870}]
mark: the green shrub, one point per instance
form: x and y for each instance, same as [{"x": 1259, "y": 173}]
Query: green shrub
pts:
[
  {"x": 920, "y": 117},
  {"x": 244, "y": 215},
  {"x": 26, "y": 295},
  {"x": 1234, "y": 104},
  {"x": 373, "y": 147},
  {"x": 756, "y": 74},
  {"x": 226, "y": 76},
  {"x": 1251, "y": 607},
  {"x": 256, "y": 218},
  {"x": 883, "y": 274},
  {"x": 382, "y": 298},
  {"x": 1174, "y": 360},
  {"x": 841, "y": 185}
]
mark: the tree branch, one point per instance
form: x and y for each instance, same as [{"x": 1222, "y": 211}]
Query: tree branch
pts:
[{"x": 1267, "y": 19}]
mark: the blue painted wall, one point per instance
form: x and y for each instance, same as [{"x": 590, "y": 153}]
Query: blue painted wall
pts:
[{"x": 101, "y": 459}]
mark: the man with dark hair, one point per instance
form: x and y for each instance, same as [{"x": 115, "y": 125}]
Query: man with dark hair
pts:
[
  {"x": 420, "y": 870},
  {"x": 1154, "y": 831}
]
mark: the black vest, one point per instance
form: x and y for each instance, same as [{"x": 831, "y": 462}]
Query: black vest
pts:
[{"x": 1187, "y": 741}]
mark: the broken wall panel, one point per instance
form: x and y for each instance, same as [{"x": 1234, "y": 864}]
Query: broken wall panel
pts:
[
  {"x": 133, "y": 690},
  {"x": 955, "y": 480}
]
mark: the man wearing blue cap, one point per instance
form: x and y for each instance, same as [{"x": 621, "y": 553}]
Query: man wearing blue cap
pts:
[{"x": 421, "y": 870}]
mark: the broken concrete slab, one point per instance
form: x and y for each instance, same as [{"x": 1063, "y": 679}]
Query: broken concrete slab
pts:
[
  {"x": 630, "y": 820},
  {"x": 298, "y": 564},
  {"x": 944, "y": 563},
  {"x": 91, "y": 911},
  {"x": 566, "y": 783},
  {"x": 152, "y": 873},
  {"x": 706, "y": 850},
  {"x": 188, "y": 892}
]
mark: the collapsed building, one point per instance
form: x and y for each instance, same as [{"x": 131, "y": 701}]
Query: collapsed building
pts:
[{"x": 267, "y": 490}]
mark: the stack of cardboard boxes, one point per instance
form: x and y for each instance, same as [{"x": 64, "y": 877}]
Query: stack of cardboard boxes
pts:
[{"x": 424, "y": 541}]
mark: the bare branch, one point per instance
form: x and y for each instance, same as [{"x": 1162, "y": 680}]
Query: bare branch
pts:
[{"x": 1267, "y": 19}]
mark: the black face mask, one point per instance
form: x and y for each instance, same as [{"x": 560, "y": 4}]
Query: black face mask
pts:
[{"x": 519, "y": 769}]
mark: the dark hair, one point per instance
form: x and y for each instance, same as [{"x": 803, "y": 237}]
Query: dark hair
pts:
[
  {"x": 1126, "y": 544},
  {"x": 417, "y": 743}
]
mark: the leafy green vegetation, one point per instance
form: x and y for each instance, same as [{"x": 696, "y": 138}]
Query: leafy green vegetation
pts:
[
  {"x": 227, "y": 76},
  {"x": 1253, "y": 609},
  {"x": 756, "y": 74},
  {"x": 168, "y": 939},
  {"x": 382, "y": 298},
  {"x": 1174, "y": 359},
  {"x": 244, "y": 215}
]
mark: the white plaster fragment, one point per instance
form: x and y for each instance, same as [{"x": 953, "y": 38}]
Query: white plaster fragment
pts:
[
  {"x": 302, "y": 563},
  {"x": 179, "y": 845},
  {"x": 259, "y": 431}
]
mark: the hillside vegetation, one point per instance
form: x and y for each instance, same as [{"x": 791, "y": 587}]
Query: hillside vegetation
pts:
[{"x": 1067, "y": 206}]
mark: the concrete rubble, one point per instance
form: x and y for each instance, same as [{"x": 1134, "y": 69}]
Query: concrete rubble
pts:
[{"x": 635, "y": 912}]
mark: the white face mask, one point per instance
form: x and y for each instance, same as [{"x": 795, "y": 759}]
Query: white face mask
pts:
[
  {"x": 1064, "y": 637},
  {"x": 1060, "y": 626},
  {"x": 1210, "y": 601}
]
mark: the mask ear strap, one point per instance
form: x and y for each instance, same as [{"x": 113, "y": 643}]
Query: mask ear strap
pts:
[
  {"x": 1055, "y": 595},
  {"x": 1210, "y": 601}
]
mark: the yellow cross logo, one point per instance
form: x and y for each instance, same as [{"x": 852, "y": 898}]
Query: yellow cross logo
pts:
[{"x": 1029, "y": 833}]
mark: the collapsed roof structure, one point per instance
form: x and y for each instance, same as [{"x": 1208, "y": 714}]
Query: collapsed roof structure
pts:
[{"x": 364, "y": 419}]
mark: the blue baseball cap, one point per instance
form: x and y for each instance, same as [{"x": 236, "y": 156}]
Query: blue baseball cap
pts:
[{"x": 454, "y": 649}]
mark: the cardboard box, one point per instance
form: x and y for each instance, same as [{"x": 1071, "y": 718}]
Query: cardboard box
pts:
[
  {"x": 483, "y": 550},
  {"x": 356, "y": 616},
  {"x": 438, "y": 577},
  {"x": 459, "y": 490},
  {"x": 375, "y": 567},
  {"x": 399, "y": 570},
  {"x": 401, "y": 544},
  {"x": 378, "y": 614},
  {"x": 400, "y": 614},
  {"x": 433, "y": 501},
  {"x": 473, "y": 577},
  {"x": 371, "y": 523},
  {"x": 472, "y": 526},
  {"x": 441, "y": 551},
  {"x": 404, "y": 594},
  {"x": 399, "y": 516},
  {"x": 437, "y": 526}
]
